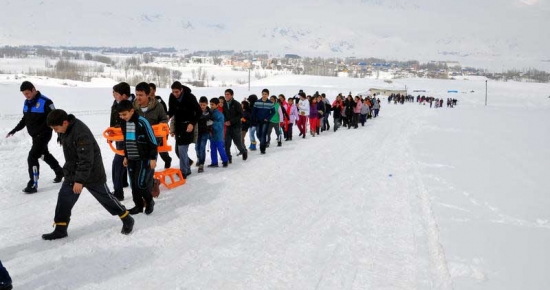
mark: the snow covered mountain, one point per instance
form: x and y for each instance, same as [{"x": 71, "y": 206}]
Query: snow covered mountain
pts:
[{"x": 491, "y": 30}]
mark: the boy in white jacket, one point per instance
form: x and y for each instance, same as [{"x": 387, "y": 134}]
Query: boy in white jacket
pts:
[{"x": 303, "y": 111}]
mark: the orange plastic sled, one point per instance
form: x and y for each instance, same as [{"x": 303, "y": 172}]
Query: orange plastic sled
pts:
[{"x": 161, "y": 130}]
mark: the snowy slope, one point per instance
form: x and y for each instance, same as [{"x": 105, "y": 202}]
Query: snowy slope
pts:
[
  {"x": 417, "y": 199},
  {"x": 493, "y": 31}
]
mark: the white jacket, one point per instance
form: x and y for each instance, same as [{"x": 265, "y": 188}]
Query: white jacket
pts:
[{"x": 303, "y": 106}]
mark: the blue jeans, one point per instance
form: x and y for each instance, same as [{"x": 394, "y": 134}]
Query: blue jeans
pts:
[
  {"x": 184, "y": 159},
  {"x": 261, "y": 130},
  {"x": 200, "y": 147},
  {"x": 252, "y": 134},
  {"x": 215, "y": 147}
]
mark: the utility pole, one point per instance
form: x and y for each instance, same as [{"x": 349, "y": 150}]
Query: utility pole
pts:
[{"x": 485, "y": 92}]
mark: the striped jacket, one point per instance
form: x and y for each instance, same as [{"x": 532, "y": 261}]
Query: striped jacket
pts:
[{"x": 140, "y": 141}]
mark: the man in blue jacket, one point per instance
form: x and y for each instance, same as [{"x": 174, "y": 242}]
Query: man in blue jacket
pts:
[
  {"x": 35, "y": 110},
  {"x": 262, "y": 112}
]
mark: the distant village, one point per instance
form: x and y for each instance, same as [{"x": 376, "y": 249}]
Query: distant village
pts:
[{"x": 84, "y": 63}]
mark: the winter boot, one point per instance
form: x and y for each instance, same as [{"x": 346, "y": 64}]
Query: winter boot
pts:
[
  {"x": 30, "y": 189},
  {"x": 58, "y": 175},
  {"x": 135, "y": 210},
  {"x": 212, "y": 165},
  {"x": 279, "y": 144},
  {"x": 127, "y": 223},
  {"x": 230, "y": 159},
  {"x": 224, "y": 164},
  {"x": 150, "y": 207},
  {"x": 59, "y": 232},
  {"x": 245, "y": 155},
  {"x": 201, "y": 168},
  {"x": 252, "y": 146}
]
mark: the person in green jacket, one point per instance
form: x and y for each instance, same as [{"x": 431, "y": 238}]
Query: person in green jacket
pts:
[{"x": 275, "y": 122}]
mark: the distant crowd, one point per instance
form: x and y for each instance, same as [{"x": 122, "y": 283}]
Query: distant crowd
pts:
[{"x": 422, "y": 100}]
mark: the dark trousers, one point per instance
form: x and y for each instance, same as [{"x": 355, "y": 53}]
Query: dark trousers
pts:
[
  {"x": 40, "y": 148},
  {"x": 337, "y": 122},
  {"x": 66, "y": 199},
  {"x": 363, "y": 119},
  {"x": 326, "y": 124},
  {"x": 288, "y": 133},
  {"x": 355, "y": 120},
  {"x": 119, "y": 172},
  {"x": 141, "y": 181},
  {"x": 233, "y": 134},
  {"x": 261, "y": 131}
]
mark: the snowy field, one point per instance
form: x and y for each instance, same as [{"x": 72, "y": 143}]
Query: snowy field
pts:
[{"x": 419, "y": 198}]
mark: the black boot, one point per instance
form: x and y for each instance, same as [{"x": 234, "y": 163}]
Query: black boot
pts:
[
  {"x": 58, "y": 175},
  {"x": 31, "y": 189},
  {"x": 150, "y": 207},
  {"x": 135, "y": 210},
  {"x": 245, "y": 155},
  {"x": 127, "y": 223},
  {"x": 59, "y": 232},
  {"x": 279, "y": 144}
]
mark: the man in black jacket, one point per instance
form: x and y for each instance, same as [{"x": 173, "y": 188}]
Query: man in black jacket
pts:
[
  {"x": 35, "y": 111},
  {"x": 233, "y": 113},
  {"x": 83, "y": 168},
  {"x": 186, "y": 111}
]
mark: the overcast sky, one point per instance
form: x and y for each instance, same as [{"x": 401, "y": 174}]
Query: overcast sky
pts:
[{"x": 512, "y": 30}]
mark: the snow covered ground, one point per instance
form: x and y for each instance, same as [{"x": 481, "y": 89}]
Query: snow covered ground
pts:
[{"x": 419, "y": 198}]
